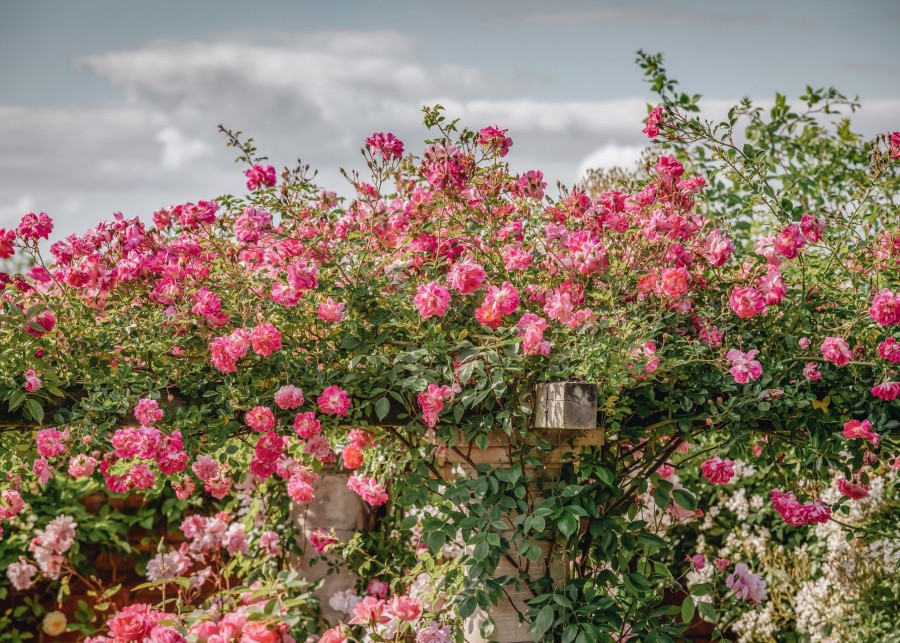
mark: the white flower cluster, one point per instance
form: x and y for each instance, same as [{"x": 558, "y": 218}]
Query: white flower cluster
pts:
[
  {"x": 849, "y": 568},
  {"x": 756, "y": 626},
  {"x": 840, "y": 571}
]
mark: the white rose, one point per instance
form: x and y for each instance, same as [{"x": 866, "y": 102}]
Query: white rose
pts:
[{"x": 54, "y": 623}]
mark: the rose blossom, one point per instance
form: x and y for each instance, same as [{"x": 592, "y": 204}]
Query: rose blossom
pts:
[
  {"x": 885, "y": 308},
  {"x": 260, "y": 175},
  {"x": 289, "y": 397},
  {"x": 368, "y": 489},
  {"x": 836, "y": 351},
  {"x": 434, "y": 632},
  {"x": 495, "y": 140},
  {"x": 886, "y": 391},
  {"x": 369, "y": 610},
  {"x": 147, "y": 411},
  {"x": 32, "y": 381},
  {"x": 746, "y": 585},
  {"x": 811, "y": 372},
  {"x": 406, "y": 608},
  {"x": 860, "y": 429},
  {"x": 432, "y": 300},
  {"x": 134, "y": 622},
  {"x": 743, "y": 367},
  {"x": 265, "y": 339},
  {"x": 387, "y": 146},
  {"x": 331, "y": 311},
  {"x": 334, "y": 401},
  {"x": 747, "y": 302},
  {"x": 717, "y": 470},
  {"x": 21, "y": 574},
  {"x": 654, "y": 119},
  {"x": 889, "y": 350},
  {"x": 306, "y": 425},
  {"x": 466, "y": 277},
  {"x": 260, "y": 418},
  {"x": 377, "y": 588},
  {"x": 854, "y": 490}
]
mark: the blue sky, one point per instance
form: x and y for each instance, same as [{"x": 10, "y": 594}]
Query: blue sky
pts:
[{"x": 112, "y": 105}]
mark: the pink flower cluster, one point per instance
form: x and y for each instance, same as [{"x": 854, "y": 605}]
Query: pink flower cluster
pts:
[
  {"x": 854, "y": 429},
  {"x": 214, "y": 475},
  {"x": 654, "y": 120},
  {"x": 531, "y": 329},
  {"x": 885, "y": 308},
  {"x": 717, "y": 470},
  {"x": 50, "y": 543},
  {"x": 368, "y": 489},
  {"x": 744, "y": 367},
  {"x": 334, "y": 401},
  {"x": 499, "y": 301},
  {"x": 796, "y": 513},
  {"x": 495, "y": 140},
  {"x": 432, "y": 402},
  {"x": 387, "y": 146},
  {"x": 260, "y": 175},
  {"x": 300, "y": 485}
]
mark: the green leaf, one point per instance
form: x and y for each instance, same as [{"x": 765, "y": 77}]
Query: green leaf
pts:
[
  {"x": 542, "y": 622},
  {"x": 685, "y": 499},
  {"x": 382, "y": 406},
  {"x": 707, "y": 612},
  {"x": 687, "y": 609},
  {"x": 567, "y": 524},
  {"x": 35, "y": 410},
  {"x": 636, "y": 583}
]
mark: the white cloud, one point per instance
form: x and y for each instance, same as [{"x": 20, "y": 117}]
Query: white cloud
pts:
[
  {"x": 179, "y": 150},
  {"x": 313, "y": 96},
  {"x": 10, "y": 214},
  {"x": 610, "y": 156}
]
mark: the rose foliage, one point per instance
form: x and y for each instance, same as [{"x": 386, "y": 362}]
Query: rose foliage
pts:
[{"x": 741, "y": 294}]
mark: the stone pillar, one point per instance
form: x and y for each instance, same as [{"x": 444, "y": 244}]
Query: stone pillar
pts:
[
  {"x": 565, "y": 413},
  {"x": 334, "y": 506}
]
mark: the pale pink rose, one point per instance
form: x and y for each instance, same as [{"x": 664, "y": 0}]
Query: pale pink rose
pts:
[
  {"x": 289, "y": 397},
  {"x": 377, "y": 588},
  {"x": 32, "y": 381},
  {"x": 331, "y": 311},
  {"x": 406, "y": 608},
  {"x": 746, "y": 585}
]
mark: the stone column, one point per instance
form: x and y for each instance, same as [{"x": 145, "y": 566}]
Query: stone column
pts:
[
  {"x": 334, "y": 506},
  {"x": 565, "y": 413}
]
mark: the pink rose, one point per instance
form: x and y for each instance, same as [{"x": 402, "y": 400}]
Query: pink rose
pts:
[
  {"x": 432, "y": 300},
  {"x": 836, "y": 351},
  {"x": 743, "y": 367},
  {"x": 717, "y": 470}
]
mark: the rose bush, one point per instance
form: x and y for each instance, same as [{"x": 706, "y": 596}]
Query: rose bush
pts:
[{"x": 741, "y": 292}]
